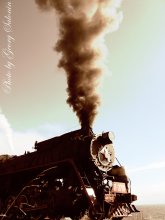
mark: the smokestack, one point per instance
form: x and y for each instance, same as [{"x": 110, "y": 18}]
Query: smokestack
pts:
[{"x": 83, "y": 25}]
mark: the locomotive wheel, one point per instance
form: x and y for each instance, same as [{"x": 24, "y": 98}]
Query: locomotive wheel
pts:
[
  {"x": 21, "y": 200},
  {"x": 95, "y": 216}
]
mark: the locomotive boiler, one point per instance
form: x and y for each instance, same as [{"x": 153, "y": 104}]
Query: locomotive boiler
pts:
[{"x": 72, "y": 175}]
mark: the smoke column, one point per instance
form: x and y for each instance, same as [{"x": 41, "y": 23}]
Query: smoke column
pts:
[
  {"x": 82, "y": 27},
  {"x": 5, "y": 126}
]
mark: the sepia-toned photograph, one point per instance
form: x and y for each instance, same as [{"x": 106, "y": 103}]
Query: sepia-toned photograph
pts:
[{"x": 82, "y": 110}]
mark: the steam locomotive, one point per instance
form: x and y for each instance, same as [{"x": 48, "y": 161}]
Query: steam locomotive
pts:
[{"x": 72, "y": 175}]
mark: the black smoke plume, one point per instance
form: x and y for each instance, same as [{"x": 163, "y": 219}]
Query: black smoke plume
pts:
[{"x": 83, "y": 24}]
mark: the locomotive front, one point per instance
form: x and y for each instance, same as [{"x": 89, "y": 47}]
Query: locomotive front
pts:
[
  {"x": 116, "y": 188},
  {"x": 102, "y": 151}
]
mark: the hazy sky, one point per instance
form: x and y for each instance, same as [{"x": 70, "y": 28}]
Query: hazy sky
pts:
[{"x": 132, "y": 93}]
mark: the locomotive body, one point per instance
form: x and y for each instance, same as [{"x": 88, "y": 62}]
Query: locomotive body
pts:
[{"x": 70, "y": 175}]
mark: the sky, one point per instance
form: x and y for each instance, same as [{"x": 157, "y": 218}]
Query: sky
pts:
[{"x": 33, "y": 99}]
